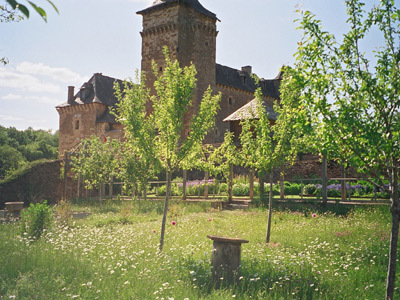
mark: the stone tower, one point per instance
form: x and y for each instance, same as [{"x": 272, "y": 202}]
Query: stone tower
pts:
[{"x": 189, "y": 31}]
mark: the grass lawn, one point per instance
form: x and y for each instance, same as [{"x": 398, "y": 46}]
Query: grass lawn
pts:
[{"x": 113, "y": 254}]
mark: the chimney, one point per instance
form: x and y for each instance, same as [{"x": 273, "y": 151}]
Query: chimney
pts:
[
  {"x": 70, "y": 94},
  {"x": 247, "y": 69}
]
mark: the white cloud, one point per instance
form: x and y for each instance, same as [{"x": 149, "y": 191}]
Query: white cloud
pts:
[
  {"x": 11, "y": 97},
  {"x": 58, "y": 74},
  {"x": 10, "y": 118},
  {"x": 142, "y": 1},
  {"x": 45, "y": 100},
  {"x": 10, "y": 78}
]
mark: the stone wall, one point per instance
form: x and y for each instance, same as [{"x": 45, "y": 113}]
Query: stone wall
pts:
[
  {"x": 190, "y": 38},
  {"x": 41, "y": 182},
  {"x": 78, "y": 122}
]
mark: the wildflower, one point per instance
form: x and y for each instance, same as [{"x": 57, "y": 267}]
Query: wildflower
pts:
[
  {"x": 314, "y": 215},
  {"x": 209, "y": 220},
  {"x": 173, "y": 223},
  {"x": 154, "y": 231}
]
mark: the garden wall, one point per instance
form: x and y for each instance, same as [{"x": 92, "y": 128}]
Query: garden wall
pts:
[{"x": 40, "y": 182}]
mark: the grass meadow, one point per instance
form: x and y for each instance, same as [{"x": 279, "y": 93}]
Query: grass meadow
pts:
[{"x": 113, "y": 254}]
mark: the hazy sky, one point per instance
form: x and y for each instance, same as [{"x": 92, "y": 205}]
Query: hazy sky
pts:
[{"x": 90, "y": 36}]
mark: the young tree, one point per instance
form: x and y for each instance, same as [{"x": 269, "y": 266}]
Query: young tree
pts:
[
  {"x": 167, "y": 140},
  {"x": 223, "y": 159},
  {"x": 353, "y": 96},
  {"x": 139, "y": 160},
  {"x": 258, "y": 147},
  {"x": 96, "y": 162}
]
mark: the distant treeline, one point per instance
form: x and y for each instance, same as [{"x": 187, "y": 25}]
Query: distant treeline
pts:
[{"x": 19, "y": 147}]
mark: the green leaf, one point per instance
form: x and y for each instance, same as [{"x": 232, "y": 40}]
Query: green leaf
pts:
[
  {"x": 55, "y": 8},
  {"x": 39, "y": 10},
  {"x": 23, "y": 9},
  {"x": 13, "y": 3}
]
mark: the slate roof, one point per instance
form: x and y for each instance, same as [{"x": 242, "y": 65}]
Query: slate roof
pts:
[
  {"x": 158, "y": 4},
  {"x": 243, "y": 81},
  {"x": 98, "y": 89},
  {"x": 249, "y": 111}
]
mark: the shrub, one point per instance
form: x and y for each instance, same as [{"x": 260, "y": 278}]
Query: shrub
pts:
[
  {"x": 241, "y": 189},
  {"x": 175, "y": 191},
  {"x": 36, "y": 219},
  {"x": 223, "y": 188},
  {"x": 292, "y": 189},
  {"x": 309, "y": 189}
]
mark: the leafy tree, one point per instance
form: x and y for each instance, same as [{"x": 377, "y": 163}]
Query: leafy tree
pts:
[
  {"x": 224, "y": 158},
  {"x": 10, "y": 159},
  {"x": 139, "y": 162},
  {"x": 163, "y": 133},
  {"x": 96, "y": 161},
  {"x": 353, "y": 97},
  {"x": 258, "y": 147}
]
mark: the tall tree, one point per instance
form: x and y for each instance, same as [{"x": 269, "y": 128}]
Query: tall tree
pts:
[
  {"x": 167, "y": 140},
  {"x": 353, "y": 95}
]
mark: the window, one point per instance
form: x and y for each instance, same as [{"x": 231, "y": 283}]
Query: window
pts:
[
  {"x": 160, "y": 69},
  {"x": 76, "y": 124},
  {"x": 230, "y": 101}
]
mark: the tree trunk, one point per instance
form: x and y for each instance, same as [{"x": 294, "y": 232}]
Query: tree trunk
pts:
[
  {"x": 79, "y": 192},
  {"x": 262, "y": 191},
  {"x": 282, "y": 184},
  {"x": 164, "y": 219},
  {"x": 395, "y": 210},
  {"x": 251, "y": 179},
  {"x": 324, "y": 181},
  {"x": 343, "y": 184},
  {"x": 271, "y": 176},
  {"x": 206, "y": 176},
  {"x": 184, "y": 190},
  {"x": 144, "y": 195},
  {"x": 230, "y": 183},
  {"x": 111, "y": 187}
]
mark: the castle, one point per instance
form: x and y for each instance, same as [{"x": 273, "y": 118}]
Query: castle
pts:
[{"x": 189, "y": 31}]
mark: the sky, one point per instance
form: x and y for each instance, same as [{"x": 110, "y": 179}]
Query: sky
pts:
[{"x": 103, "y": 36}]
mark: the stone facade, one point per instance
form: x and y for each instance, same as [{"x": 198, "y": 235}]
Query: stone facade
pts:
[{"x": 189, "y": 31}]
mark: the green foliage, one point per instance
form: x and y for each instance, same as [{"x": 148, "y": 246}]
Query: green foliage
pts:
[
  {"x": 17, "y": 147},
  {"x": 36, "y": 219},
  {"x": 96, "y": 161},
  {"x": 159, "y": 138},
  {"x": 10, "y": 159},
  {"x": 175, "y": 190},
  {"x": 241, "y": 189},
  {"x": 22, "y": 170},
  {"x": 309, "y": 189},
  {"x": 23, "y": 9}
]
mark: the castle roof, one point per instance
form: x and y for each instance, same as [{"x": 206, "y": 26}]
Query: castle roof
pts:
[
  {"x": 98, "y": 89},
  {"x": 159, "y": 4},
  {"x": 243, "y": 80},
  {"x": 249, "y": 111}
]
